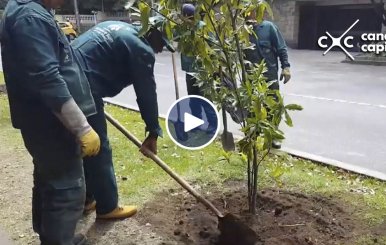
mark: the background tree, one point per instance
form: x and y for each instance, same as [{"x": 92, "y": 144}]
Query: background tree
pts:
[{"x": 219, "y": 43}]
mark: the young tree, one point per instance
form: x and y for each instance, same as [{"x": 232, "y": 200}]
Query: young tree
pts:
[{"x": 219, "y": 43}]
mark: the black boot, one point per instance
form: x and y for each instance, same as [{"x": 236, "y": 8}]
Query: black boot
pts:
[{"x": 276, "y": 144}]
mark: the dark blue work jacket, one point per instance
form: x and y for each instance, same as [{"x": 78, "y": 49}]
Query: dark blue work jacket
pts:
[
  {"x": 40, "y": 68},
  {"x": 115, "y": 57}
]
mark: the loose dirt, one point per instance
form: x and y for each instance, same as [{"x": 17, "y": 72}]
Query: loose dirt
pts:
[{"x": 282, "y": 218}]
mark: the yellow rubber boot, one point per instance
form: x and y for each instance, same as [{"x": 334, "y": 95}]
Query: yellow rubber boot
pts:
[
  {"x": 119, "y": 213},
  {"x": 89, "y": 207}
]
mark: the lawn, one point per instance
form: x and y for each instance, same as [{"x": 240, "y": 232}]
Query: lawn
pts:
[
  {"x": 1, "y": 78},
  {"x": 140, "y": 180}
]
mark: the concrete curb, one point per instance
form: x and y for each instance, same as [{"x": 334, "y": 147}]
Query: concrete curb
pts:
[
  {"x": 332, "y": 162},
  {"x": 296, "y": 153},
  {"x": 366, "y": 62},
  {"x": 127, "y": 106}
]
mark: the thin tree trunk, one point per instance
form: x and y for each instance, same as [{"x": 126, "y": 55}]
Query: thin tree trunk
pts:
[
  {"x": 250, "y": 186},
  {"x": 255, "y": 177}
]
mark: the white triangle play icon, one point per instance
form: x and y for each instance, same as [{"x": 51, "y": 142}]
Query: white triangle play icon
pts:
[{"x": 191, "y": 122}]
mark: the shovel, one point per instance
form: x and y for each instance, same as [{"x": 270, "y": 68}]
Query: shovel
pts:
[
  {"x": 178, "y": 125},
  {"x": 228, "y": 143},
  {"x": 233, "y": 231}
]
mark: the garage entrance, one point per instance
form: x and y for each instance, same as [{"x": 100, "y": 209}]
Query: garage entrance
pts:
[{"x": 315, "y": 20}]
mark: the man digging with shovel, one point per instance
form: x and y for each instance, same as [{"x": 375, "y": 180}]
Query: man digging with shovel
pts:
[
  {"x": 114, "y": 57},
  {"x": 112, "y": 68}
]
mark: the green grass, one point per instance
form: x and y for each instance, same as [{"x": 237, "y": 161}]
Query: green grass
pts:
[
  {"x": 144, "y": 178},
  {"x": 1, "y": 78},
  {"x": 139, "y": 179},
  {"x": 366, "y": 195},
  {"x": 368, "y": 240}
]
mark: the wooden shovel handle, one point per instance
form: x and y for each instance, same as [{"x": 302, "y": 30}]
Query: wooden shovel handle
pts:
[
  {"x": 175, "y": 77},
  {"x": 164, "y": 166}
]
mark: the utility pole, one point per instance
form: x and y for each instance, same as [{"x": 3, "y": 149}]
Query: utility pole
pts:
[
  {"x": 152, "y": 5},
  {"x": 77, "y": 16}
]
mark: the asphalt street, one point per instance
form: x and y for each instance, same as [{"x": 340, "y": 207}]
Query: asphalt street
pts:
[{"x": 343, "y": 121}]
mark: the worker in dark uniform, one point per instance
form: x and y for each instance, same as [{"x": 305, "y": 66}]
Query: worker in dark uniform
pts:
[
  {"x": 269, "y": 46},
  {"x": 189, "y": 65},
  {"x": 114, "y": 56},
  {"x": 49, "y": 99}
]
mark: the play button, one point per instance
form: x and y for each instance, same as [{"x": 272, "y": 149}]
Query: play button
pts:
[{"x": 192, "y": 122}]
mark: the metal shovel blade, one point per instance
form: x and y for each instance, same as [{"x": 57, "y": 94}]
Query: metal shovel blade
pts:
[
  {"x": 228, "y": 143},
  {"x": 234, "y": 231},
  {"x": 227, "y": 140}
]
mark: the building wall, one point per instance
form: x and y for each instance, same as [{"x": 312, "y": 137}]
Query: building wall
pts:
[
  {"x": 286, "y": 15},
  {"x": 88, "y": 21}
]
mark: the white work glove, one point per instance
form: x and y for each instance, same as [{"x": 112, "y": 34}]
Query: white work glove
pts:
[{"x": 285, "y": 74}]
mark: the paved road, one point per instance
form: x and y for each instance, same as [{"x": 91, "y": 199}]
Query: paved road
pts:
[{"x": 344, "y": 109}]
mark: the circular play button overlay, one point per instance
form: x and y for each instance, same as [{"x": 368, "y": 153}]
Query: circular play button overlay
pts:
[{"x": 192, "y": 122}]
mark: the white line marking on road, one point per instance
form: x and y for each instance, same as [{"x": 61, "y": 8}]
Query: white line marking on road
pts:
[
  {"x": 336, "y": 100},
  {"x": 160, "y": 64}
]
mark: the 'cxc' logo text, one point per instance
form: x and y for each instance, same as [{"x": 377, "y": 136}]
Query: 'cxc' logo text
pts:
[{"x": 341, "y": 42}]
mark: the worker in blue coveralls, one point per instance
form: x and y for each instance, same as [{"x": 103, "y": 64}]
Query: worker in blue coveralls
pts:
[
  {"x": 114, "y": 56},
  {"x": 269, "y": 46},
  {"x": 189, "y": 65},
  {"x": 49, "y": 98}
]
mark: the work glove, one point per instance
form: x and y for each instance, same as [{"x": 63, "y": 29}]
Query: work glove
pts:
[
  {"x": 285, "y": 74},
  {"x": 90, "y": 143},
  {"x": 75, "y": 121}
]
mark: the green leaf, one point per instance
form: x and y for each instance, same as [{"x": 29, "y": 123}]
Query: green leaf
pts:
[
  {"x": 244, "y": 157},
  {"x": 277, "y": 172},
  {"x": 267, "y": 138},
  {"x": 278, "y": 134},
  {"x": 294, "y": 107},
  {"x": 270, "y": 101},
  {"x": 168, "y": 30},
  {"x": 145, "y": 14},
  {"x": 268, "y": 9},
  {"x": 226, "y": 155},
  {"x": 260, "y": 143},
  {"x": 288, "y": 119}
]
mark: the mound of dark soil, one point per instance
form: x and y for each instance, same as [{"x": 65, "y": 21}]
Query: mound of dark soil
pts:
[{"x": 283, "y": 217}]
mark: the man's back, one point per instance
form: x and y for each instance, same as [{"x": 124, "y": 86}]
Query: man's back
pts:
[{"x": 112, "y": 53}]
